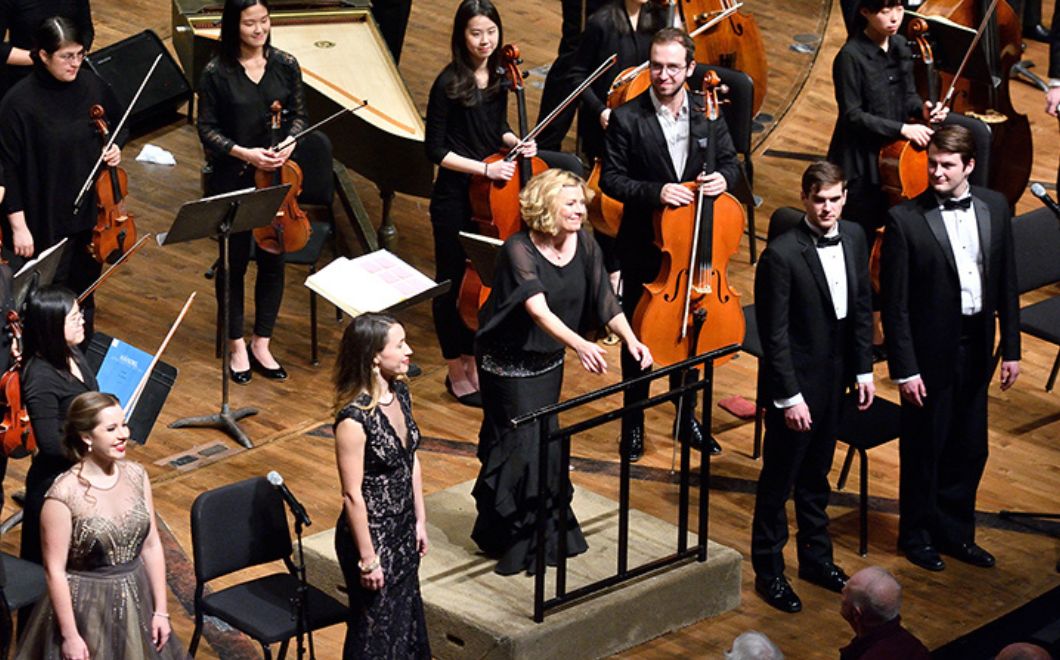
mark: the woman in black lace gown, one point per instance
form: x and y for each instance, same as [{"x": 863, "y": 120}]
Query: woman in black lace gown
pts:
[
  {"x": 382, "y": 531},
  {"x": 549, "y": 288}
]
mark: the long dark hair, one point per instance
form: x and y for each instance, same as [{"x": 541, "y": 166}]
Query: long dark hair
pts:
[
  {"x": 54, "y": 33},
  {"x": 652, "y": 17},
  {"x": 230, "y": 17},
  {"x": 462, "y": 86},
  {"x": 354, "y": 369},
  {"x": 44, "y": 325}
]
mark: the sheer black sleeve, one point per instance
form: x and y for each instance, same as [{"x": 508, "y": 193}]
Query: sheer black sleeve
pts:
[
  {"x": 210, "y": 102},
  {"x": 297, "y": 110},
  {"x": 602, "y": 301}
]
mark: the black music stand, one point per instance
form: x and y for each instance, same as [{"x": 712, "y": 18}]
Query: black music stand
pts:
[
  {"x": 221, "y": 216},
  {"x": 37, "y": 273},
  {"x": 950, "y": 42},
  {"x": 482, "y": 251}
]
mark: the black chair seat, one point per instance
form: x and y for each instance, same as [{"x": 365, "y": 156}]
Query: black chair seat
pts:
[
  {"x": 878, "y": 425},
  {"x": 262, "y": 608},
  {"x": 1042, "y": 320},
  {"x": 25, "y": 582},
  {"x": 310, "y": 254}
]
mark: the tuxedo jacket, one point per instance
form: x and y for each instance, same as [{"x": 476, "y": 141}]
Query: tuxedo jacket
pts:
[
  {"x": 802, "y": 349},
  {"x": 921, "y": 289},
  {"x": 637, "y": 164}
]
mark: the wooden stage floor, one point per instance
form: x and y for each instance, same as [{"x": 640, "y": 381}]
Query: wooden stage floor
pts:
[{"x": 291, "y": 431}]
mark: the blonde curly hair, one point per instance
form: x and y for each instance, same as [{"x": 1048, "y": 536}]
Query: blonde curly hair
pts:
[{"x": 537, "y": 202}]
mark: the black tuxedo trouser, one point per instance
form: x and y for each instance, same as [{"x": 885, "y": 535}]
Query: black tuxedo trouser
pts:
[{"x": 943, "y": 450}]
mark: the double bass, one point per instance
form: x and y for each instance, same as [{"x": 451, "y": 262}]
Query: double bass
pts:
[
  {"x": 289, "y": 231},
  {"x": 495, "y": 204},
  {"x": 734, "y": 43},
  {"x": 115, "y": 228},
  {"x": 697, "y": 242}
]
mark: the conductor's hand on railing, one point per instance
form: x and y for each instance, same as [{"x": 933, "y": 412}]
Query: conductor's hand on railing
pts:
[
  {"x": 592, "y": 356},
  {"x": 640, "y": 353}
]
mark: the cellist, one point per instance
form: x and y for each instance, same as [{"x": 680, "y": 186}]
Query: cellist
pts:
[
  {"x": 466, "y": 123},
  {"x": 653, "y": 143},
  {"x": 235, "y": 94}
]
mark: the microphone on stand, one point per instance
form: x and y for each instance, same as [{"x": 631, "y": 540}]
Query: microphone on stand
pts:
[
  {"x": 1038, "y": 190},
  {"x": 297, "y": 509}
]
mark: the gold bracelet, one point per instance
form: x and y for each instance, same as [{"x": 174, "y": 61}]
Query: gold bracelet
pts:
[{"x": 369, "y": 567}]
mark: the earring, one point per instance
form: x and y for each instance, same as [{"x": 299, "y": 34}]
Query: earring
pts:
[{"x": 89, "y": 447}]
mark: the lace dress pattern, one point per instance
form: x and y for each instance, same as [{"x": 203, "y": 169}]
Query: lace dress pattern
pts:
[
  {"x": 108, "y": 581},
  {"x": 388, "y": 623}
]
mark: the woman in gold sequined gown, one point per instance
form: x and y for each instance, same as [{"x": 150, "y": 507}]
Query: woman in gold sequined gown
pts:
[{"x": 102, "y": 556}]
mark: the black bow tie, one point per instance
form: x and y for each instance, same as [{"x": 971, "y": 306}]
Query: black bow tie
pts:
[
  {"x": 828, "y": 241},
  {"x": 962, "y": 204}
]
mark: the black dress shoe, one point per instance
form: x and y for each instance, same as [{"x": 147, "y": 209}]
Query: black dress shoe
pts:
[
  {"x": 697, "y": 438},
  {"x": 279, "y": 373},
  {"x": 925, "y": 556},
  {"x": 239, "y": 377},
  {"x": 970, "y": 553},
  {"x": 778, "y": 593},
  {"x": 636, "y": 444},
  {"x": 1037, "y": 32},
  {"x": 471, "y": 399},
  {"x": 829, "y": 576}
]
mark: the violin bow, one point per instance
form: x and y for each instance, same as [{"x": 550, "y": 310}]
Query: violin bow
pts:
[
  {"x": 968, "y": 54},
  {"x": 604, "y": 66},
  {"x": 103, "y": 278},
  {"x": 114, "y": 135},
  {"x": 293, "y": 139},
  {"x": 142, "y": 385}
]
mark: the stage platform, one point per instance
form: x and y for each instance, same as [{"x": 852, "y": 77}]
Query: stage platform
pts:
[{"x": 474, "y": 613}]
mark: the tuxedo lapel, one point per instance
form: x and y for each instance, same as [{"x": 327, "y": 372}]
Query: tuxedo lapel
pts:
[
  {"x": 848, "y": 266},
  {"x": 983, "y": 222},
  {"x": 933, "y": 217},
  {"x": 654, "y": 135},
  {"x": 813, "y": 262}
]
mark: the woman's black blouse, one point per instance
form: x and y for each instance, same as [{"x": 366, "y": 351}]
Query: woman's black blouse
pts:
[
  {"x": 48, "y": 146},
  {"x": 233, "y": 110},
  {"x": 471, "y": 131},
  {"x": 47, "y": 393}
]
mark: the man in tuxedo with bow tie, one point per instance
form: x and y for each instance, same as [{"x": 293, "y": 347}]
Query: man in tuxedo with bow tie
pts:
[
  {"x": 654, "y": 142},
  {"x": 948, "y": 268},
  {"x": 814, "y": 310}
]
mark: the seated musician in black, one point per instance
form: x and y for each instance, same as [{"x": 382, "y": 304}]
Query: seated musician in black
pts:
[{"x": 653, "y": 143}]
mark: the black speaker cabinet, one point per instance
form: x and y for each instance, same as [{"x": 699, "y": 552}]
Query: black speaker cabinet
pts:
[{"x": 123, "y": 66}]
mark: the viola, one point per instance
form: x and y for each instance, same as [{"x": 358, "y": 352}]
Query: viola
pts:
[
  {"x": 1011, "y": 149},
  {"x": 734, "y": 43},
  {"x": 697, "y": 241},
  {"x": 115, "y": 228},
  {"x": 495, "y": 204},
  {"x": 16, "y": 430},
  {"x": 289, "y": 231}
]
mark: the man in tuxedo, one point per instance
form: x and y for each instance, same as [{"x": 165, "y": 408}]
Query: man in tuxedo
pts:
[
  {"x": 814, "y": 310},
  {"x": 653, "y": 143},
  {"x": 948, "y": 268}
]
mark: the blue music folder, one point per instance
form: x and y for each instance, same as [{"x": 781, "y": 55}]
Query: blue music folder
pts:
[{"x": 122, "y": 368}]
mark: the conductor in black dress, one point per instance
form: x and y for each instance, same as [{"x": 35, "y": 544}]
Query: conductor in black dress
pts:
[
  {"x": 653, "y": 143},
  {"x": 814, "y": 312},
  {"x": 948, "y": 268}
]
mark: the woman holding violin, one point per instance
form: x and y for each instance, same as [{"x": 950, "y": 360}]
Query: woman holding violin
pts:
[
  {"x": 236, "y": 95},
  {"x": 550, "y": 287},
  {"x": 466, "y": 123},
  {"x": 48, "y": 147}
]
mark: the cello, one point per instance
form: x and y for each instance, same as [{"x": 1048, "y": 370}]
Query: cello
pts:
[
  {"x": 1011, "y": 148},
  {"x": 697, "y": 242},
  {"x": 289, "y": 231},
  {"x": 734, "y": 43},
  {"x": 115, "y": 228}
]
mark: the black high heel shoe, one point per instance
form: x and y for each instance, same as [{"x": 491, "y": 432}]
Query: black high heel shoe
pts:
[
  {"x": 471, "y": 399},
  {"x": 279, "y": 373}
]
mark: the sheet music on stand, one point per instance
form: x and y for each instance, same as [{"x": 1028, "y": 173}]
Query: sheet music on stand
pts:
[
  {"x": 950, "y": 41},
  {"x": 37, "y": 272},
  {"x": 375, "y": 282}
]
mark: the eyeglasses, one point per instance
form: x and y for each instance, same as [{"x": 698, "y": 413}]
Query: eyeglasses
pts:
[
  {"x": 76, "y": 318},
  {"x": 671, "y": 70},
  {"x": 67, "y": 58}
]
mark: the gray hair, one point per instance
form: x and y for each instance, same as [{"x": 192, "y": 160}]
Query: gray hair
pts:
[{"x": 753, "y": 645}]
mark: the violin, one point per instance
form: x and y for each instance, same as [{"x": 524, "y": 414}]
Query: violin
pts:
[
  {"x": 734, "y": 43},
  {"x": 495, "y": 204},
  {"x": 1011, "y": 147},
  {"x": 697, "y": 242},
  {"x": 16, "y": 430},
  {"x": 115, "y": 227},
  {"x": 289, "y": 231}
]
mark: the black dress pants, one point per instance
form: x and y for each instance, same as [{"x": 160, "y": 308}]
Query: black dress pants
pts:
[{"x": 268, "y": 286}]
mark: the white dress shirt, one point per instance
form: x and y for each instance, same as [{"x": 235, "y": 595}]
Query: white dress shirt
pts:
[
  {"x": 675, "y": 130},
  {"x": 963, "y": 232}
]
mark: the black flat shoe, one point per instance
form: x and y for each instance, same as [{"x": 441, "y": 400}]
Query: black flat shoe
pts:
[
  {"x": 970, "y": 553},
  {"x": 778, "y": 593},
  {"x": 926, "y": 557},
  {"x": 697, "y": 439},
  {"x": 636, "y": 444},
  {"x": 240, "y": 377},
  {"x": 279, "y": 373},
  {"x": 471, "y": 400},
  {"x": 829, "y": 576}
]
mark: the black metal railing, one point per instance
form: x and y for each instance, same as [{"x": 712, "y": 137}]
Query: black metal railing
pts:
[{"x": 623, "y": 572}]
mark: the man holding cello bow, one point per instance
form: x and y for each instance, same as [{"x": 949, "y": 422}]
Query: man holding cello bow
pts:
[
  {"x": 815, "y": 320},
  {"x": 654, "y": 142}
]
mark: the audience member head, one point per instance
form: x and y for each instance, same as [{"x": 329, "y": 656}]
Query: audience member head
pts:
[
  {"x": 83, "y": 420},
  {"x": 1023, "y": 651},
  {"x": 753, "y": 645},
  {"x": 52, "y": 323},
  {"x": 373, "y": 350},
  {"x": 871, "y": 598},
  {"x": 541, "y": 203}
]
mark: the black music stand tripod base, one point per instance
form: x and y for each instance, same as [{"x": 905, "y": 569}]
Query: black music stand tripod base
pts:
[{"x": 227, "y": 420}]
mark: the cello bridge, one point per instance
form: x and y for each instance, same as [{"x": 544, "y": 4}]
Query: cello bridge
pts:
[{"x": 702, "y": 290}]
